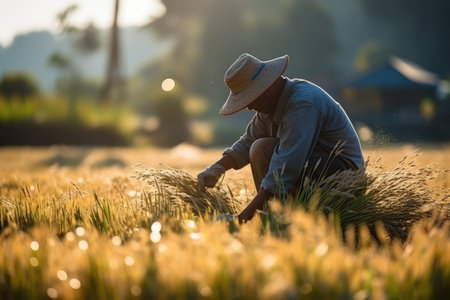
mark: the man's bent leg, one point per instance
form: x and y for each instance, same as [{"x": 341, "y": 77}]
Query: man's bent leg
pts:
[
  {"x": 261, "y": 153},
  {"x": 324, "y": 164}
]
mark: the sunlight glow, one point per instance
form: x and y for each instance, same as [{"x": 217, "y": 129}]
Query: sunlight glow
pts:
[{"x": 41, "y": 15}]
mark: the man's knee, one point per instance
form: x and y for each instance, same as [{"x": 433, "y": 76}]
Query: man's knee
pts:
[{"x": 263, "y": 148}]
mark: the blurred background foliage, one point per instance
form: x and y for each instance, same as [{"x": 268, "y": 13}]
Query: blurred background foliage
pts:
[{"x": 198, "y": 39}]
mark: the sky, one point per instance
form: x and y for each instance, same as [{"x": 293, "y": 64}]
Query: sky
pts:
[{"x": 21, "y": 16}]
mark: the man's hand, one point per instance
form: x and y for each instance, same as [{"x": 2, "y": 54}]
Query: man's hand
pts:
[
  {"x": 256, "y": 204},
  {"x": 226, "y": 217},
  {"x": 209, "y": 176}
]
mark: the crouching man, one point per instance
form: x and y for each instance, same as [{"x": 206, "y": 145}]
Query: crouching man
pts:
[{"x": 295, "y": 122}]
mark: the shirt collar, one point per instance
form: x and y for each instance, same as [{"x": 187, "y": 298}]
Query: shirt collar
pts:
[{"x": 282, "y": 101}]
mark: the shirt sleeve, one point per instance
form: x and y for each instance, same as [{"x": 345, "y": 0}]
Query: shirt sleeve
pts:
[
  {"x": 300, "y": 128},
  {"x": 239, "y": 151}
]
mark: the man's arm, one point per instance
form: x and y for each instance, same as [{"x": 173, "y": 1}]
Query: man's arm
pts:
[
  {"x": 211, "y": 175},
  {"x": 299, "y": 136},
  {"x": 239, "y": 151},
  {"x": 257, "y": 204},
  {"x": 300, "y": 129},
  {"x": 236, "y": 157},
  {"x": 226, "y": 161}
]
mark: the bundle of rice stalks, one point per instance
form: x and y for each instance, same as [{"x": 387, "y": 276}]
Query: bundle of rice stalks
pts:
[
  {"x": 394, "y": 198},
  {"x": 178, "y": 188}
]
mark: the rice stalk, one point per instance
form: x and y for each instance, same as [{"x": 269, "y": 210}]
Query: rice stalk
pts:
[
  {"x": 179, "y": 188},
  {"x": 395, "y": 198}
]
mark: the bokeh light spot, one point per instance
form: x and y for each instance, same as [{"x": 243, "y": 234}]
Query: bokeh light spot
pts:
[
  {"x": 52, "y": 293},
  {"x": 168, "y": 84},
  {"x": 365, "y": 134},
  {"x": 75, "y": 283},
  {"x": 190, "y": 224},
  {"x": 70, "y": 236},
  {"x": 83, "y": 245},
  {"x": 129, "y": 261},
  {"x": 62, "y": 275},
  {"x": 195, "y": 235},
  {"x": 155, "y": 237},
  {"x": 34, "y": 262},
  {"x": 135, "y": 290},
  {"x": 163, "y": 248},
  {"x": 206, "y": 291},
  {"x": 116, "y": 240},
  {"x": 156, "y": 227},
  {"x": 322, "y": 249},
  {"x": 80, "y": 231},
  {"x": 34, "y": 246}
]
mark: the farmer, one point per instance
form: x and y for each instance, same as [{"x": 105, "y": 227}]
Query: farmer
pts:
[{"x": 296, "y": 126}]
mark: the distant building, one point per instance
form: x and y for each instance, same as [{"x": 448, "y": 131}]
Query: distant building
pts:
[{"x": 399, "y": 99}]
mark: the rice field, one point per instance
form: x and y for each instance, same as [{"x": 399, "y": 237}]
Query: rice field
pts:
[{"x": 129, "y": 223}]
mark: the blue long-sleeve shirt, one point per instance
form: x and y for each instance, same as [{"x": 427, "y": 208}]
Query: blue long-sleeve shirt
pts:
[{"x": 305, "y": 117}]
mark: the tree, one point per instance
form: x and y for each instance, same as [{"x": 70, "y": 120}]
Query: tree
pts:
[
  {"x": 421, "y": 27},
  {"x": 85, "y": 41},
  {"x": 88, "y": 40},
  {"x": 305, "y": 31},
  {"x": 210, "y": 35},
  {"x": 371, "y": 54},
  {"x": 18, "y": 85},
  {"x": 113, "y": 79},
  {"x": 69, "y": 79}
]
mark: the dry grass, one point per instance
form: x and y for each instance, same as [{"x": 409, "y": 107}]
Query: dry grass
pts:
[
  {"x": 180, "y": 189},
  {"x": 75, "y": 225}
]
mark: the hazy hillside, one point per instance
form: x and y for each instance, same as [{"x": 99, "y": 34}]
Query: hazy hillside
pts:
[{"x": 30, "y": 52}]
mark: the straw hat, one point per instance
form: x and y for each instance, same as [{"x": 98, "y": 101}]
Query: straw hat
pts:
[{"x": 247, "y": 78}]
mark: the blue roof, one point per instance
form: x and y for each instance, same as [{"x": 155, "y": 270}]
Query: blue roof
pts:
[{"x": 397, "y": 74}]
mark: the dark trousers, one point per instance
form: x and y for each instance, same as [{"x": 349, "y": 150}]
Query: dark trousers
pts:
[{"x": 261, "y": 153}]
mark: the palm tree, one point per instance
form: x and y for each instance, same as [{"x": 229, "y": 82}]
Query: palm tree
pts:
[{"x": 113, "y": 81}]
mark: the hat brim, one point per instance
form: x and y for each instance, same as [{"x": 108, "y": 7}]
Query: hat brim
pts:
[{"x": 238, "y": 101}]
